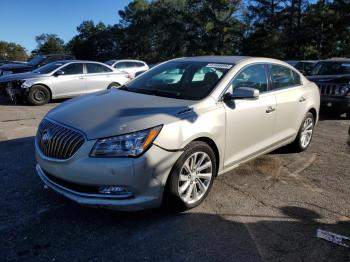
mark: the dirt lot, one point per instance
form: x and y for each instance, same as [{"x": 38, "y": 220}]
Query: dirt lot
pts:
[{"x": 266, "y": 210}]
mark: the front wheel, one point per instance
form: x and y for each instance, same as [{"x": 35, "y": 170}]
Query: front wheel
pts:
[
  {"x": 38, "y": 95},
  {"x": 303, "y": 139},
  {"x": 192, "y": 176}
]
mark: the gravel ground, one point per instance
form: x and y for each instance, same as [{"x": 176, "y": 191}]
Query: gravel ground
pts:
[{"x": 266, "y": 210}]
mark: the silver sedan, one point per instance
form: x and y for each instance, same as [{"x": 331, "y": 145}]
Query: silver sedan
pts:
[
  {"x": 165, "y": 136},
  {"x": 62, "y": 79}
]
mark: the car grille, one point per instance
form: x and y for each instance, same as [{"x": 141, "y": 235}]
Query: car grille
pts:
[
  {"x": 331, "y": 89},
  {"x": 57, "y": 141}
]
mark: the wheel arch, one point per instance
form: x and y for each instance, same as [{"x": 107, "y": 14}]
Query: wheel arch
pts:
[
  {"x": 213, "y": 146},
  {"x": 313, "y": 111}
]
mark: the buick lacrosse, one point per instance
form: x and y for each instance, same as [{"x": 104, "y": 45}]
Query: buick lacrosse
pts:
[{"x": 165, "y": 136}]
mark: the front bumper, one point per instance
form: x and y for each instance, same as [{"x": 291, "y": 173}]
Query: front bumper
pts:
[
  {"x": 337, "y": 103},
  {"x": 145, "y": 177}
]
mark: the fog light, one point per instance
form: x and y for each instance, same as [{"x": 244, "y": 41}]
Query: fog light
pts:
[{"x": 113, "y": 190}]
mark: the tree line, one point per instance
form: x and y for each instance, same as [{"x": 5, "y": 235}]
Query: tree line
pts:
[{"x": 163, "y": 29}]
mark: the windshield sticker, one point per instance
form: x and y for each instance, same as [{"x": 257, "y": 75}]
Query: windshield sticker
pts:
[{"x": 224, "y": 66}]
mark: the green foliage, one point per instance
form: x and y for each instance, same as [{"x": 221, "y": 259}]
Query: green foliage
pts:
[
  {"x": 158, "y": 30},
  {"x": 49, "y": 44},
  {"x": 12, "y": 51}
]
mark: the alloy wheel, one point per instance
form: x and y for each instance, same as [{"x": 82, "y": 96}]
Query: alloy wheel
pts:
[
  {"x": 306, "y": 132},
  {"x": 195, "y": 176}
]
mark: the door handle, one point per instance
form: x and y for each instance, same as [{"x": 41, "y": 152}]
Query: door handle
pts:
[
  {"x": 270, "y": 109},
  {"x": 302, "y": 99},
  {"x": 81, "y": 77}
]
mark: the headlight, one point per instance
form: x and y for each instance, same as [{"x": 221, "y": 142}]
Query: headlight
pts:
[
  {"x": 27, "y": 84},
  {"x": 133, "y": 144},
  {"x": 6, "y": 72}
]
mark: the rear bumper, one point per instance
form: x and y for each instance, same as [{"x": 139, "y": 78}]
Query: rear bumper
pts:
[{"x": 339, "y": 104}]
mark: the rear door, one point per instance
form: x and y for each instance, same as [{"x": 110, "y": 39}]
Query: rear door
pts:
[
  {"x": 71, "y": 83},
  {"x": 249, "y": 122},
  {"x": 291, "y": 99},
  {"x": 98, "y": 77}
]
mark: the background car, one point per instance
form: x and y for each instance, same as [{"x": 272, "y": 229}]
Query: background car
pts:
[
  {"x": 130, "y": 66},
  {"x": 305, "y": 66},
  {"x": 36, "y": 62},
  {"x": 333, "y": 79},
  {"x": 62, "y": 79}
]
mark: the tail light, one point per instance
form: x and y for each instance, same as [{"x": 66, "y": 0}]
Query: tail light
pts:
[{"x": 129, "y": 76}]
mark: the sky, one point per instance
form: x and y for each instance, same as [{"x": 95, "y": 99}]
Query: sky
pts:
[{"x": 22, "y": 20}]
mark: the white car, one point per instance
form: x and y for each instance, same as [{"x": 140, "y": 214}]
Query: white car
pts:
[
  {"x": 62, "y": 79},
  {"x": 130, "y": 66}
]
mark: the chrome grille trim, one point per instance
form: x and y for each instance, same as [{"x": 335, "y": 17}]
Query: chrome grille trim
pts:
[
  {"x": 57, "y": 141},
  {"x": 330, "y": 89}
]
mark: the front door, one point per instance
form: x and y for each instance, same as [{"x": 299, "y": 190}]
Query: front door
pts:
[
  {"x": 70, "y": 83},
  {"x": 249, "y": 122}
]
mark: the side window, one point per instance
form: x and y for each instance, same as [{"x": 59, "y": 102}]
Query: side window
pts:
[
  {"x": 130, "y": 64},
  {"x": 253, "y": 76},
  {"x": 73, "y": 69},
  {"x": 96, "y": 68},
  {"x": 296, "y": 78},
  {"x": 283, "y": 77},
  {"x": 120, "y": 65},
  {"x": 138, "y": 64}
]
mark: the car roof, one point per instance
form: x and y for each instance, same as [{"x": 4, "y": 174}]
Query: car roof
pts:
[
  {"x": 336, "y": 59},
  {"x": 77, "y": 61},
  {"x": 215, "y": 59},
  {"x": 125, "y": 60}
]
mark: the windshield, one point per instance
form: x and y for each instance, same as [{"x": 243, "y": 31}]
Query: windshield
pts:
[
  {"x": 48, "y": 68},
  {"x": 36, "y": 60},
  {"x": 110, "y": 62},
  {"x": 331, "y": 68},
  {"x": 188, "y": 80}
]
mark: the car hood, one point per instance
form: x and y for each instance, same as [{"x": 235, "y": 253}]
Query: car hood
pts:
[
  {"x": 329, "y": 78},
  {"x": 20, "y": 76},
  {"x": 15, "y": 66},
  {"x": 115, "y": 112}
]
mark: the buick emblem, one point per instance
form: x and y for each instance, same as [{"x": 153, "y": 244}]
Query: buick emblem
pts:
[{"x": 46, "y": 137}]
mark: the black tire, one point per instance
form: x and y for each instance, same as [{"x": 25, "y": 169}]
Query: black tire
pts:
[
  {"x": 297, "y": 145},
  {"x": 113, "y": 85},
  {"x": 38, "y": 95},
  {"x": 172, "y": 199}
]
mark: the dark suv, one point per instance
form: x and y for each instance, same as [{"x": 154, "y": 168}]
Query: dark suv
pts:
[
  {"x": 36, "y": 62},
  {"x": 333, "y": 79}
]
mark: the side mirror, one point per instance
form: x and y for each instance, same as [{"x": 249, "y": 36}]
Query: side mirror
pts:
[
  {"x": 59, "y": 73},
  {"x": 242, "y": 93}
]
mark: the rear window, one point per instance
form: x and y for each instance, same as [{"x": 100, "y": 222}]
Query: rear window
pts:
[{"x": 188, "y": 80}]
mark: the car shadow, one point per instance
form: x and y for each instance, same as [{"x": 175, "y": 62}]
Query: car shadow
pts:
[
  {"x": 327, "y": 115},
  {"x": 40, "y": 225}
]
